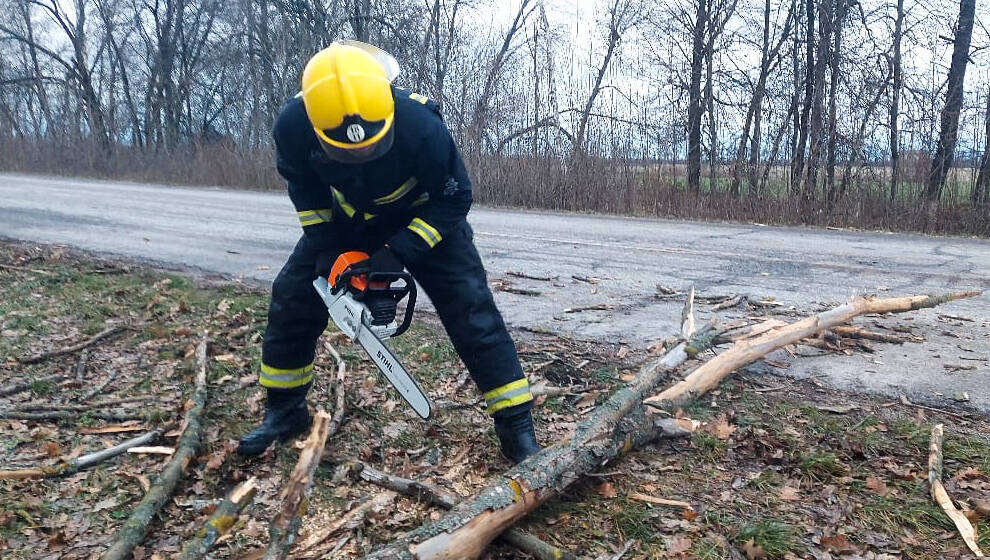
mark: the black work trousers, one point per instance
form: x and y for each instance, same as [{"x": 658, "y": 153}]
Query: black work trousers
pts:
[{"x": 453, "y": 277}]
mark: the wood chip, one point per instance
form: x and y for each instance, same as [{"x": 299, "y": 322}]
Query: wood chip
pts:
[{"x": 153, "y": 450}]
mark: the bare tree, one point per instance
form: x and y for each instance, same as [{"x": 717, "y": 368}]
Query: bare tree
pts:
[
  {"x": 897, "y": 73},
  {"x": 945, "y": 151}
]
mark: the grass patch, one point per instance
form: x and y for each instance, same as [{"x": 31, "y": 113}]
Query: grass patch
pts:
[
  {"x": 774, "y": 537},
  {"x": 820, "y": 466}
]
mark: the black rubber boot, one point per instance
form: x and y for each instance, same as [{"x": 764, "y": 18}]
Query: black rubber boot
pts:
[
  {"x": 286, "y": 416},
  {"x": 515, "y": 433}
]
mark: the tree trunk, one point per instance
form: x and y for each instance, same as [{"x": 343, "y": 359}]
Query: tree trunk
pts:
[
  {"x": 797, "y": 175},
  {"x": 945, "y": 151},
  {"x": 836, "y": 54},
  {"x": 817, "y": 124},
  {"x": 981, "y": 191},
  {"x": 695, "y": 107},
  {"x": 895, "y": 100}
]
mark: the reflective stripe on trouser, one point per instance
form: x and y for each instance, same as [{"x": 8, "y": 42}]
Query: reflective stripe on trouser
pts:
[
  {"x": 276, "y": 378},
  {"x": 296, "y": 318},
  {"x": 508, "y": 395}
]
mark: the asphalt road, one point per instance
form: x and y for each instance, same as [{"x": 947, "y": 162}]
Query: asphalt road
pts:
[{"x": 248, "y": 235}]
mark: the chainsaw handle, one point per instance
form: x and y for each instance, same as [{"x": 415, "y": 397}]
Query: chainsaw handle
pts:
[{"x": 410, "y": 306}]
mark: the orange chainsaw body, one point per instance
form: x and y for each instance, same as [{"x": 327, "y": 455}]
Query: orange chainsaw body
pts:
[{"x": 359, "y": 283}]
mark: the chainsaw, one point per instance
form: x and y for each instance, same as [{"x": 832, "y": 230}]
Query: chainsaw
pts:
[{"x": 364, "y": 307}]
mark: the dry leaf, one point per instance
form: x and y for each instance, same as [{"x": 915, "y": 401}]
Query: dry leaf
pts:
[
  {"x": 606, "y": 490},
  {"x": 722, "y": 429},
  {"x": 877, "y": 485},
  {"x": 623, "y": 351},
  {"x": 51, "y": 449},
  {"x": 967, "y": 473},
  {"x": 677, "y": 545},
  {"x": 789, "y": 494},
  {"x": 753, "y": 551},
  {"x": 837, "y": 543},
  {"x": 689, "y": 514}
]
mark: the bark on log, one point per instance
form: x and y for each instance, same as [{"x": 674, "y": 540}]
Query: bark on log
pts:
[
  {"x": 221, "y": 521},
  {"x": 941, "y": 497},
  {"x": 283, "y": 529},
  {"x": 436, "y": 496},
  {"x": 70, "y": 415},
  {"x": 106, "y": 333},
  {"x": 70, "y": 467},
  {"x": 338, "y": 388},
  {"x": 709, "y": 375},
  {"x": 134, "y": 529},
  {"x": 619, "y": 425}
]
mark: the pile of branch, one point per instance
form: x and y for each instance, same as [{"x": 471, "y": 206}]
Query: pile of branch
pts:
[
  {"x": 629, "y": 419},
  {"x": 134, "y": 529},
  {"x": 68, "y": 467}
]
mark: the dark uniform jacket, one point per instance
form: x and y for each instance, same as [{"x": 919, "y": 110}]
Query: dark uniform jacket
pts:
[{"x": 418, "y": 192}]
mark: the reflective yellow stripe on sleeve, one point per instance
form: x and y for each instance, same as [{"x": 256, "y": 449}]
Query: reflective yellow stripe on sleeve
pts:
[
  {"x": 426, "y": 231},
  {"x": 398, "y": 193},
  {"x": 278, "y": 378},
  {"x": 420, "y": 200},
  {"x": 318, "y": 216},
  {"x": 419, "y": 97},
  {"x": 508, "y": 395},
  {"x": 348, "y": 208}
]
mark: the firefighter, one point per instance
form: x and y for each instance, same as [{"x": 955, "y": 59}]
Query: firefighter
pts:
[{"x": 372, "y": 167}]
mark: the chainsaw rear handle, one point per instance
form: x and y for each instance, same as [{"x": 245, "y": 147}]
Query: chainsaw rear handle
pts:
[{"x": 379, "y": 283}]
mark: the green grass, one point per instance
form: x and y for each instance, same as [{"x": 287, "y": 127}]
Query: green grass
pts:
[
  {"x": 709, "y": 447},
  {"x": 776, "y": 538},
  {"x": 820, "y": 466}
]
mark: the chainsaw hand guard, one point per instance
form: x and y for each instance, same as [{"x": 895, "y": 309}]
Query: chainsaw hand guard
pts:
[{"x": 377, "y": 290}]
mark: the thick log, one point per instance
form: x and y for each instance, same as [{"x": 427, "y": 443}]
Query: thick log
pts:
[
  {"x": 106, "y": 333},
  {"x": 136, "y": 526},
  {"x": 72, "y": 466},
  {"x": 436, "y": 496},
  {"x": 619, "y": 425},
  {"x": 221, "y": 521},
  {"x": 941, "y": 497},
  {"x": 709, "y": 375},
  {"x": 283, "y": 529}
]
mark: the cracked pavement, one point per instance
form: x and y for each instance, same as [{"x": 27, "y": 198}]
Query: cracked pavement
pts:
[{"x": 248, "y": 235}]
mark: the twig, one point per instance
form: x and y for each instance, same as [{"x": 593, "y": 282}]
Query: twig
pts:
[
  {"x": 852, "y": 331},
  {"x": 660, "y": 501},
  {"x": 69, "y": 467},
  {"x": 596, "y": 307},
  {"x": 529, "y": 276},
  {"x": 81, "y": 366},
  {"x": 23, "y": 269},
  {"x": 687, "y": 315},
  {"x": 283, "y": 529},
  {"x": 618, "y": 555},
  {"x": 942, "y": 498},
  {"x": 731, "y": 302},
  {"x": 339, "y": 390},
  {"x": 105, "y": 333},
  {"x": 99, "y": 388},
  {"x": 520, "y": 291},
  {"x": 352, "y": 519},
  {"x": 906, "y": 402},
  {"x": 25, "y": 385},
  {"x": 221, "y": 521},
  {"x": 134, "y": 529}
]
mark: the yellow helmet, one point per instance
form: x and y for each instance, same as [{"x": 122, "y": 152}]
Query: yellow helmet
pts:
[{"x": 346, "y": 89}]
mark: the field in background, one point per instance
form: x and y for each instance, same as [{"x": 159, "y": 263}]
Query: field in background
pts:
[{"x": 594, "y": 185}]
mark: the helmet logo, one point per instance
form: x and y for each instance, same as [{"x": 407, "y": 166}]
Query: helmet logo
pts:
[{"x": 355, "y": 133}]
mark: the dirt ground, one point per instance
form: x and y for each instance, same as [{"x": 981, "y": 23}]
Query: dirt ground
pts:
[{"x": 780, "y": 469}]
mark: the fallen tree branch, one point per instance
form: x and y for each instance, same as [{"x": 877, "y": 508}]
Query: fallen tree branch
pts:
[
  {"x": 21, "y": 386},
  {"x": 68, "y": 467},
  {"x": 853, "y": 331},
  {"x": 221, "y": 521},
  {"x": 105, "y": 333},
  {"x": 132, "y": 532},
  {"x": 436, "y": 496},
  {"x": 528, "y": 276},
  {"x": 731, "y": 302},
  {"x": 99, "y": 388},
  {"x": 78, "y": 407},
  {"x": 15, "y": 268},
  {"x": 71, "y": 415},
  {"x": 941, "y": 497},
  {"x": 283, "y": 529},
  {"x": 595, "y": 307},
  {"x": 613, "y": 428},
  {"x": 704, "y": 378},
  {"x": 81, "y": 366},
  {"x": 619, "y": 425}
]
